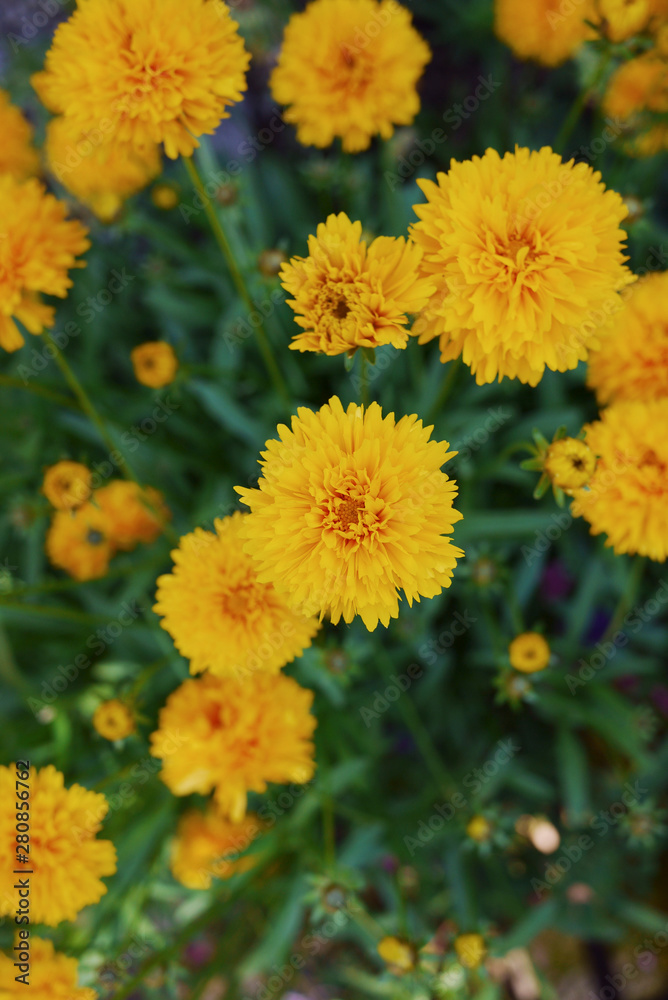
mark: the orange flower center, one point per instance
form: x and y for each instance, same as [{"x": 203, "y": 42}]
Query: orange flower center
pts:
[{"x": 348, "y": 511}]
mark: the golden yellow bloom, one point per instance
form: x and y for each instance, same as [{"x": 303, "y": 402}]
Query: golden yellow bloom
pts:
[
  {"x": 548, "y": 31},
  {"x": 632, "y": 362},
  {"x": 207, "y": 846},
  {"x": 98, "y": 173},
  {"x": 479, "y": 829},
  {"x": 53, "y": 976},
  {"x": 470, "y": 950},
  {"x": 155, "y": 363},
  {"x": 66, "y": 859},
  {"x": 352, "y": 507},
  {"x": 219, "y": 615},
  {"x": 569, "y": 463},
  {"x": 349, "y": 69},
  {"x": 234, "y": 736},
  {"x": 133, "y": 514},
  {"x": 144, "y": 74},
  {"x": 79, "y": 542},
  {"x": 524, "y": 286},
  {"x": 114, "y": 720},
  {"x": 620, "y": 19},
  {"x": 637, "y": 90},
  {"x": 346, "y": 295},
  {"x": 18, "y": 156},
  {"x": 165, "y": 196},
  {"x": 67, "y": 485},
  {"x": 529, "y": 652},
  {"x": 400, "y": 955},
  {"x": 627, "y": 496},
  {"x": 38, "y": 248}
]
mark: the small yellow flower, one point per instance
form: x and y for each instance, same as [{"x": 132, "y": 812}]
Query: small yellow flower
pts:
[
  {"x": 529, "y": 652},
  {"x": 18, "y": 157},
  {"x": 114, "y": 720},
  {"x": 638, "y": 92},
  {"x": 620, "y": 19},
  {"x": 67, "y": 485},
  {"x": 270, "y": 262},
  {"x": 479, "y": 829},
  {"x": 400, "y": 955},
  {"x": 207, "y": 845},
  {"x": 543, "y": 30},
  {"x": 470, "y": 950},
  {"x": 569, "y": 463},
  {"x": 53, "y": 975},
  {"x": 133, "y": 513},
  {"x": 79, "y": 542},
  {"x": 164, "y": 196},
  {"x": 155, "y": 363}
]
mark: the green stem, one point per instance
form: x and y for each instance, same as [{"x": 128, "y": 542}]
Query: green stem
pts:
[
  {"x": 446, "y": 388},
  {"x": 628, "y": 597},
  {"x": 238, "y": 280},
  {"x": 65, "y": 614},
  {"x": 39, "y": 390},
  {"x": 578, "y": 107},
  {"x": 425, "y": 744},
  {"x": 364, "y": 383}
]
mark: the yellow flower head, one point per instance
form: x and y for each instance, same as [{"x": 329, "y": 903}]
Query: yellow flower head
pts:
[
  {"x": 66, "y": 859},
  {"x": 155, "y": 363},
  {"x": 548, "y": 31},
  {"x": 53, "y": 976},
  {"x": 620, "y": 19},
  {"x": 400, "y": 955},
  {"x": 100, "y": 174},
  {"x": 637, "y": 90},
  {"x": 470, "y": 949},
  {"x": 529, "y": 652},
  {"x": 632, "y": 361},
  {"x": 132, "y": 514},
  {"x": 479, "y": 829},
  {"x": 39, "y": 247},
  {"x": 165, "y": 196},
  {"x": 146, "y": 71},
  {"x": 114, "y": 720},
  {"x": 67, "y": 485},
  {"x": 569, "y": 463},
  {"x": 80, "y": 543},
  {"x": 526, "y": 252},
  {"x": 353, "y": 507},
  {"x": 627, "y": 496},
  {"x": 219, "y": 615},
  {"x": 234, "y": 736},
  {"x": 207, "y": 846},
  {"x": 18, "y": 156},
  {"x": 347, "y": 295},
  {"x": 349, "y": 69}
]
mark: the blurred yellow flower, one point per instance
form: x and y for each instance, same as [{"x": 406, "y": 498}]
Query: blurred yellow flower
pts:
[
  {"x": 351, "y": 508},
  {"x": 79, "y": 542},
  {"x": 207, "y": 845},
  {"x": 547, "y": 31},
  {"x": 133, "y": 513},
  {"x": 400, "y": 955},
  {"x": 637, "y": 92},
  {"x": 349, "y": 69},
  {"x": 52, "y": 976},
  {"x": 470, "y": 949},
  {"x": 18, "y": 156},
  {"x": 620, "y": 19},
  {"x": 569, "y": 463},
  {"x": 346, "y": 295},
  {"x": 67, "y": 485},
  {"x": 529, "y": 652},
  {"x": 155, "y": 363},
  {"x": 114, "y": 720},
  {"x": 479, "y": 829}
]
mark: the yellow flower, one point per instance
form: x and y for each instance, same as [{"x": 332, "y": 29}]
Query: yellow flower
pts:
[
  {"x": 470, "y": 950},
  {"x": 66, "y": 860},
  {"x": 632, "y": 362},
  {"x": 219, "y": 615},
  {"x": 620, "y": 19},
  {"x": 67, "y": 485},
  {"x": 38, "y": 248},
  {"x": 143, "y": 75},
  {"x": 353, "y": 507},
  {"x": 548, "y": 31},
  {"x": 79, "y": 542},
  {"x": 114, "y": 720},
  {"x": 349, "y": 69},
  {"x": 18, "y": 156},
  {"x": 52, "y": 976},
  {"x": 100, "y": 174},
  {"x": 234, "y": 736},
  {"x": 526, "y": 252},
  {"x": 133, "y": 514},
  {"x": 400, "y": 955},
  {"x": 207, "y": 846},
  {"x": 569, "y": 463},
  {"x": 346, "y": 295},
  {"x": 165, "y": 196},
  {"x": 637, "y": 91},
  {"x": 529, "y": 652},
  {"x": 155, "y": 363},
  {"x": 479, "y": 829},
  {"x": 627, "y": 495}
]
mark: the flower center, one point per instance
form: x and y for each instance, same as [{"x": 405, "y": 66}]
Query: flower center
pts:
[
  {"x": 348, "y": 511},
  {"x": 341, "y": 309},
  {"x": 94, "y": 537}
]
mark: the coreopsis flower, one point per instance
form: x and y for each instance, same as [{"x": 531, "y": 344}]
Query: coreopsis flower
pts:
[
  {"x": 570, "y": 464},
  {"x": 632, "y": 361},
  {"x": 66, "y": 859},
  {"x": 521, "y": 288},
  {"x": 529, "y": 652},
  {"x": 400, "y": 956},
  {"x": 155, "y": 363},
  {"x": 207, "y": 845},
  {"x": 80, "y": 542},
  {"x": 133, "y": 513},
  {"x": 114, "y": 720},
  {"x": 346, "y": 295},
  {"x": 100, "y": 174},
  {"x": 626, "y": 497},
  {"x": 165, "y": 196},
  {"x": 349, "y": 69},
  {"x": 479, "y": 829},
  {"x": 220, "y": 616},
  {"x": 52, "y": 976},
  {"x": 18, "y": 156},
  {"x": 543, "y": 30},
  {"x": 351, "y": 508},
  {"x": 38, "y": 248},
  {"x": 637, "y": 93},
  {"x": 144, "y": 73},
  {"x": 470, "y": 949},
  {"x": 235, "y": 736},
  {"x": 67, "y": 485},
  {"x": 620, "y": 19}
]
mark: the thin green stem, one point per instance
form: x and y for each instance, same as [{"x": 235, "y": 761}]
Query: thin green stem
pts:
[
  {"x": 425, "y": 744},
  {"x": 238, "y": 280},
  {"x": 53, "y": 611},
  {"x": 578, "y": 106},
  {"x": 39, "y": 390},
  {"x": 364, "y": 381},
  {"x": 445, "y": 390},
  {"x": 627, "y": 598}
]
